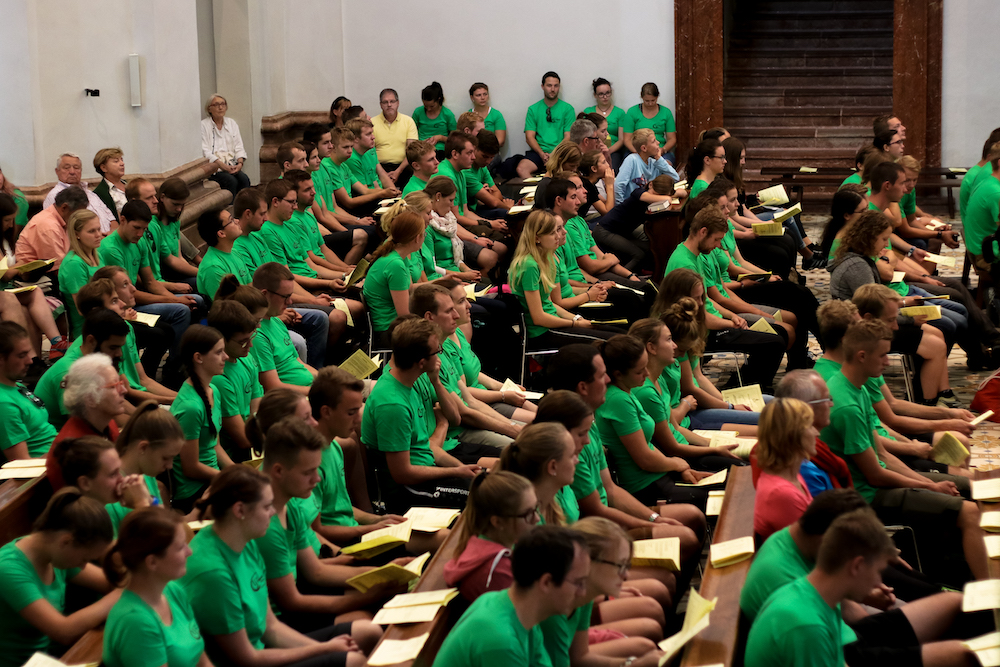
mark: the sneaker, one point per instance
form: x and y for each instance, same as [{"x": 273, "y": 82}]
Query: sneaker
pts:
[
  {"x": 814, "y": 262},
  {"x": 58, "y": 349}
]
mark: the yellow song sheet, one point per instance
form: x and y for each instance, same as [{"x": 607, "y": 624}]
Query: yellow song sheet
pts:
[
  {"x": 359, "y": 272},
  {"x": 380, "y": 541},
  {"x": 389, "y": 573},
  {"x": 981, "y": 418},
  {"x": 195, "y": 526},
  {"x": 760, "y": 277},
  {"x": 717, "y": 478},
  {"x": 695, "y": 620},
  {"x": 762, "y": 326},
  {"x": 22, "y": 473},
  {"x": 714, "y": 506},
  {"x": 772, "y": 196},
  {"x": 940, "y": 260},
  {"x": 750, "y": 395},
  {"x": 148, "y": 319},
  {"x": 992, "y": 546},
  {"x": 930, "y": 312},
  {"x": 661, "y": 552},
  {"x": 360, "y": 365},
  {"x": 949, "y": 451},
  {"x": 514, "y": 210},
  {"x": 768, "y": 229},
  {"x": 981, "y": 595},
  {"x": 789, "y": 212},
  {"x": 808, "y": 170},
  {"x": 898, "y": 276},
  {"x": 439, "y": 597},
  {"x": 987, "y": 490},
  {"x": 21, "y": 290},
  {"x": 731, "y": 552},
  {"x": 430, "y": 519},
  {"x": 595, "y": 304},
  {"x": 618, "y": 322},
  {"x": 395, "y": 651},
  {"x": 990, "y": 522},
  {"x": 401, "y": 615},
  {"x": 24, "y": 463},
  {"x": 510, "y": 385}
]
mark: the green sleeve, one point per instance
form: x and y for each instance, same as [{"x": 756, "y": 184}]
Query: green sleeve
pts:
[
  {"x": 109, "y": 255},
  {"x": 671, "y": 126},
  {"x": 20, "y": 585},
  {"x": 73, "y": 275},
  {"x": 628, "y": 121},
  {"x": 192, "y": 418},
  {"x": 229, "y": 403},
  {"x": 853, "y": 428},
  {"x": 140, "y": 640},
  {"x": 263, "y": 354},
  {"x": 498, "y": 122},
  {"x": 398, "y": 277},
  {"x": 279, "y": 559},
  {"x": 531, "y": 277},
  {"x": 652, "y": 402},
  {"x": 394, "y": 433},
  {"x": 621, "y": 415},
  {"x": 530, "y": 120}
]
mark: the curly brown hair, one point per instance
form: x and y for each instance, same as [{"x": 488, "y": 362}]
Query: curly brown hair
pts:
[{"x": 860, "y": 237}]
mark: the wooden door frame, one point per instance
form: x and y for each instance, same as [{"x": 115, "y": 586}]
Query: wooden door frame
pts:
[{"x": 916, "y": 61}]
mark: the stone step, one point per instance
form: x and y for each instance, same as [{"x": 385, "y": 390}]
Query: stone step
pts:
[
  {"x": 770, "y": 116},
  {"x": 812, "y": 137},
  {"x": 806, "y": 97},
  {"x": 829, "y": 57},
  {"x": 793, "y": 40},
  {"x": 750, "y": 22},
  {"x": 786, "y": 77}
]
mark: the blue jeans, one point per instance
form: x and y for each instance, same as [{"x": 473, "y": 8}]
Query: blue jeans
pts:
[
  {"x": 713, "y": 418},
  {"x": 789, "y": 226},
  {"x": 315, "y": 328},
  {"x": 954, "y": 322}
]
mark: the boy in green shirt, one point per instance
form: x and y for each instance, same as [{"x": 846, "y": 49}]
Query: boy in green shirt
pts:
[
  {"x": 550, "y": 565},
  {"x": 238, "y": 388},
  {"x": 278, "y": 362},
  {"x": 460, "y": 150},
  {"x": 349, "y": 193},
  {"x": 424, "y": 163},
  {"x": 978, "y": 170},
  {"x": 484, "y": 197},
  {"x": 26, "y": 431},
  {"x": 219, "y": 229},
  {"x": 546, "y": 125}
]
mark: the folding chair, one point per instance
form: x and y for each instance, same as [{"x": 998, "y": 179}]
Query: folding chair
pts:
[
  {"x": 526, "y": 353},
  {"x": 370, "y": 346}
]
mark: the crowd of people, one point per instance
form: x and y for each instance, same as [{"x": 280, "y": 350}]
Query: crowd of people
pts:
[{"x": 168, "y": 368}]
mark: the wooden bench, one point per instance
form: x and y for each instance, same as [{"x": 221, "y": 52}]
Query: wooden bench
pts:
[
  {"x": 432, "y": 580},
  {"x": 717, "y": 644},
  {"x": 18, "y": 507},
  {"x": 87, "y": 650},
  {"x": 994, "y": 565},
  {"x": 663, "y": 229}
]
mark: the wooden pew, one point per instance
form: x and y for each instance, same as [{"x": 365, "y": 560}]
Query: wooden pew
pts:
[
  {"x": 17, "y": 506},
  {"x": 432, "y": 580},
  {"x": 717, "y": 644},
  {"x": 994, "y": 565},
  {"x": 663, "y": 228},
  {"x": 87, "y": 650}
]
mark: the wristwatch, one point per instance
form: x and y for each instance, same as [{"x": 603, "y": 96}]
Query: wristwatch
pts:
[
  {"x": 577, "y": 317},
  {"x": 940, "y": 234},
  {"x": 909, "y": 253},
  {"x": 653, "y": 517}
]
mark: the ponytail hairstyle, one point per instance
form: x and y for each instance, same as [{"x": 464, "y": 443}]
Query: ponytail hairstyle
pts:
[
  {"x": 275, "y": 406},
  {"x": 602, "y": 536},
  {"x": 405, "y": 226},
  {"x": 588, "y": 163},
  {"x": 440, "y": 185},
  {"x": 646, "y": 330},
  {"x": 199, "y": 339},
  {"x": 230, "y": 289},
  {"x": 562, "y": 407},
  {"x": 686, "y": 320},
  {"x": 529, "y": 455},
  {"x": 733, "y": 169},
  {"x": 85, "y": 519},
  {"x": 432, "y": 93},
  {"x": 845, "y": 203},
  {"x": 145, "y": 532},
  {"x": 150, "y": 423},
  {"x": 696, "y": 159},
  {"x": 621, "y": 353},
  {"x": 77, "y": 457},
  {"x": 491, "y": 494},
  {"x": 235, "y": 484}
]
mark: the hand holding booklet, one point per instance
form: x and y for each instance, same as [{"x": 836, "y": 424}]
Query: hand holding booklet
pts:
[{"x": 380, "y": 541}]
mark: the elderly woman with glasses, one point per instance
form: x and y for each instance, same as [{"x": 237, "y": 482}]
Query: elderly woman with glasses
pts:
[
  {"x": 94, "y": 395},
  {"x": 222, "y": 144}
]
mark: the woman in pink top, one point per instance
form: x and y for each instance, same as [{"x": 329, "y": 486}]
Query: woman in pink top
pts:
[{"x": 786, "y": 438}]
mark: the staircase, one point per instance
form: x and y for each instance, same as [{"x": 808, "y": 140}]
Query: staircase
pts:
[{"x": 803, "y": 81}]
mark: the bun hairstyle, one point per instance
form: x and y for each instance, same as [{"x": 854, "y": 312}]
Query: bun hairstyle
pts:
[
  {"x": 696, "y": 159},
  {"x": 150, "y": 423},
  {"x": 144, "y": 532},
  {"x": 85, "y": 519},
  {"x": 621, "y": 353},
  {"x": 235, "y": 484},
  {"x": 275, "y": 406},
  {"x": 432, "y": 93},
  {"x": 529, "y": 455},
  {"x": 686, "y": 320},
  {"x": 491, "y": 494},
  {"x": 230, "y": 289},
  {"x": 74, "y": 458}
]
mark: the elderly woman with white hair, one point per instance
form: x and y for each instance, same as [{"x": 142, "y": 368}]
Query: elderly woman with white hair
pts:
[
  {"x": 222, "y": 144},
  {"x": 94, "y": 395}
]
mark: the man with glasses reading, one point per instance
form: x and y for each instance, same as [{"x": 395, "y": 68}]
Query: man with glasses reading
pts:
[
  {"x": 277, "y": 360},
  {"x": 238, "y": 388},
  {"x": 393, "y": 133},
  {"x": 546, "y": 125},
  {"x": 26, "y": 431},
  {"x": 219, "y": 229}
]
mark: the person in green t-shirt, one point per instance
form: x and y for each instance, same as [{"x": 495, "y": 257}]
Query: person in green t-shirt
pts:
[
  {"x": 424, "y": 163},
  {"x": 434, "y": 120},
  {"x": 484, "y": 197},
  {"x": 149, "y": 442},
  {"x": 324, "y": 270},
  {"x": 977, "y": 171},
  {"x": 220, "y": 229},
  {"x": 460, "y": 151},
  {"x": 546, "y": 126},
  {"x": 652, "y": 115},
  {"x": 349, "y": 193},
  {"x": 615, "y": 116},
  {"x": 916, "y": 226},
  {"x": 71, "y": 532},
  {"x": 292, "y": 457},
  {"x": 394, "y": 426},
  {"x": 80, "y": 263},
  {"x": 203, "y": 353},
  {"x": 167, "y": 256},
  {"x": 226, "y": 581},
  {"x": 26, "y": 431},
  {"x": 387, "y": 284},
  {"x": 239, "y": 388},
  {"x": 550, "y": 565},
  {"x": 493, "y": 120},
  {"x": 707, "y": 160},
  {"x": 153, "y": 550},
  {"x": 982, "y": 212}
]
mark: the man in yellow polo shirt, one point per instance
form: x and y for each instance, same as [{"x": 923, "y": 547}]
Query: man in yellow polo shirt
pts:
[{"x": 393, "y": 132}]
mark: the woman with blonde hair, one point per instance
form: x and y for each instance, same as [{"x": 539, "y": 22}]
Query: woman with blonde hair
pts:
[
  {"x": 80, "y": 263},
  {"x": 565, "y": 157},
  {"x": 421, "y": 263},
  {"x": 786, "y": 438},
  {"x": 222, "y": 144}
]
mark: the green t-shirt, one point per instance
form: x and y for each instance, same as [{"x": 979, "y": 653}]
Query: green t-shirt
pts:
[
  {"x": 969, "y": 182},
  {"x": 118, "y": 512},
  {"x": 21, "y": 218},
  {"x": 729, "y": 246},
  {"x": 457, "y": 177},
  {"x": 115, "y": 251},
  {"x": 25, "y": 420},
  {"x": 191, "y": 414},
  {"x": 228, "y": 590},
  {"x": 49, "y": 388},
  {"x": 386, "y": 275},
  {"x": 330, "y": 494},
  {"x": 150, "y": 245},
  {"x": 413, "y": 185},
  {"x": 621, "y": 415},
  {"x": 170, "y": 239},
  {"x": 698, "y": 185},
  {"x": 394, "y": 421},
  {"x": 656, "y": 403},
  {"x": 253, "y": 251},
  {"x": 74, "y": 273},
  {"x": 528, "y": 278},
  {"x": 489, "y": 634},
  {"x": 215, "y": 265},
  {"x": 324, "y": 189},
  {"x": 428, "y": 397},
  {"x": 364, "y": 168},
  {"x": 615, "y": 118},
  {"x": 562, "y": 276},
  {"x": 827, "y": 368},
  {"x": 981, "y": 213},
  {"x": 136, "y": 636},
  {"x": 281, "y": 544},
  {"x": 442, "y": 248},
  {"x": 796, "y": 627},
  {"x": 908, "y": 204},
  {"x": 568, "y": 503},
  {"x": 287, "y": 247},
  {"x": 592, "y": 461},
  {"x": 711, "y": 269},
  {"x": 339, "y": 174},
  {"x": 559, "y": 632},
  {"x": 273, "y": 351},
  {"x": 853, "y": 178},
  {"x": 476, "y": 180},
  {"x": 427, "y": 127},
  {"x": 778, "y": 562},
  {"x": 549, "y": 133},
  {"x": 660, "y": 124},
  {"x": 236, "y": 388},
  {"x": 130, "y": 358},
  {"x": 850, "y": 428},
  {"x": 683, "y": 258},
  {"x": 308, "y": 228},
  {"x": 579, "y": 238},
  {"x": 573, "y": 271},
  {"x": 494, "y": 120},
  {"x": 21, "y": 587},
  {"x": 464, "y": 359},
  {"x": 670, "y": 381}
]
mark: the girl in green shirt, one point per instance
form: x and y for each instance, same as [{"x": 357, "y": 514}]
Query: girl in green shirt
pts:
[
  {"x": 152, "y": 625},
  {"x": 604, "y": 96},
  {"x": 226, "y": 583},
  {"x": 387, "y": 284},
  {"x": 653, "y": 115},
  {"x": 203, "y": 353},
  {"x": 72, "y": 531},
  {"x": 708, "y": 159},
  {"x": 445, "y": 234},
  {"x": 546, "y": 456},
  {"x": 80, "y": 263},
  {"x": 433, "y": 120},
  {"x": 148, "y": 444},
  {"x": 480, "y": 94},
  {"x": 421, "y": 261}
]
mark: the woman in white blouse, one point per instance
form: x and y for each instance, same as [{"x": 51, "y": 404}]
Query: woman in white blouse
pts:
[{"x": 221, "y": 143}]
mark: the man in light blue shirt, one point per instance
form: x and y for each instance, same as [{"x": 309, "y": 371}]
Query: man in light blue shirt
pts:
[{"x": 640, "y": 168}]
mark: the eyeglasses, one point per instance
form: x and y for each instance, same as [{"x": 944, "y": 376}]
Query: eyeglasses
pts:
[
  {"x": 284, "y": 297},
  {"x": 719, "y": 157},
  {"x": 820, "y": 400},
  {"x": 531, "y": 516},
  {"x": 121, "y": 382},
  {"x": 218, "y": 104},
  {"x": 897, "y": 141},
  {"x": 623, "y": 568},
  {"x": 594, "y": 138},
  {"x": 293, "y": 201},
  {"x": 246, "y": 344},
  {"x": 548, "y": 114},
  {"x": 607, "y": 94},
  {"x": 440, "y": 350}
]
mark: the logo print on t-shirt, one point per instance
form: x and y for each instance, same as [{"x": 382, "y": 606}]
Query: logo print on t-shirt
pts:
[{"x": 257, "y": 581}]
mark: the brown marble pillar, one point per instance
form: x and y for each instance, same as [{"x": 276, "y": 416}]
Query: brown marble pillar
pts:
[
  {"x": 698, "y": 49},
  {"x": 916, "y": 64}
]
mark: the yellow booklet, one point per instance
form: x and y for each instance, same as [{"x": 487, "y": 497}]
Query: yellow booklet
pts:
[
  {"x": 653, "y": 285},
  {"x": 949, "y": 450},
  {"x": 987, "y": 490},
  {"x": 28, "y": 267},
  {"x": 439, "y": 597},
  {"x": 750, "y": 396},
  {"x": 931, "y": 312},
  {"x": 990, "y": 522},
  {"x": 705, "y": 433},
  {"x": 981, "y": 418},
  {"x": 195, "y": 526},
  {"x": 618, "y": 322},
  {"x": 402, "y": 615},
  {"x": 24, "y": 463},
  {"x": 958, "y": 170},
  {"x": 528, "y": 190},
  {"x": 381, "y": 210},
  {"x": 731, "y": 552},
  {"x": 595, "y": 304},
  {"x": 661, "y": 552},
  {"x": 379, "y": 541},
  {"x": 714, "y": 506},
  {"x": 695, "y": 620},
  {"x": 430, "y": 519},
  {"x": 762, "y": 326},
  {"x": 42, "y": 660},
  {"x": 20, "y": 290},
  {"x": 523, "y": 208},
  {"x": 471, "y": 294},
  {"x": 808, "y": 170},
  {"x": 148, "y": 319},
  {"x": 395, "y": 651},
  {"x": 940, "y": 260},
  {"x": 389, "y": 573},
  {"x": 681, "y": 185},
  {"x": 717, "y": 478},
  {"x": 989, "y": 640},
  {"x": 359, "y": 272},
  {"x": 992, "y": 546},
  {"x": 388, "y": 202},
  {"x": 360, "y": 365},
  {"x": 768, "y": 229},
  {"x": 935, "y": 224},
  {"x": 531, "y": 179},
  {"x": 744, "y": 447},
  {"x": 510, "y": 385},
  {"x": 898, "y": 276},
  {"x": 981, "y": 595},
  {"x": 23, "y": 472},
  {"x": 772, "y": 196},
  {"x": 781, "y": 216},
  {"x": 759, "y": 277}
]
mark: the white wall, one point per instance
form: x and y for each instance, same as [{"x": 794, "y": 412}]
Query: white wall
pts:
[{"x": 970, "y": 105}]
